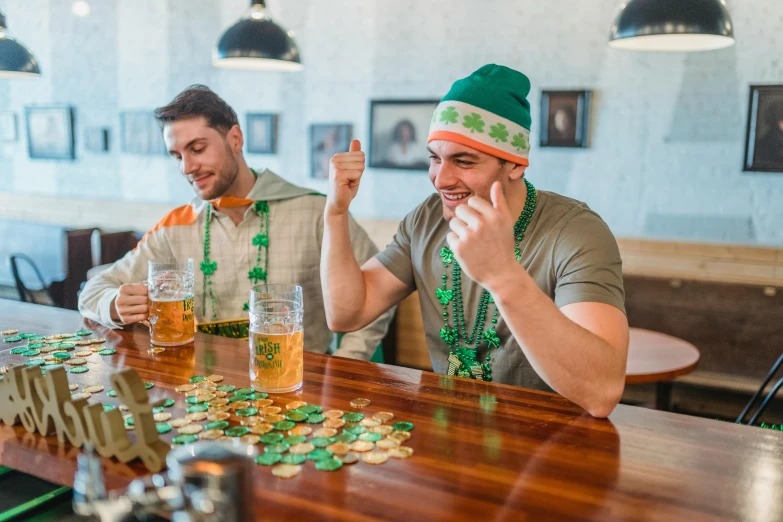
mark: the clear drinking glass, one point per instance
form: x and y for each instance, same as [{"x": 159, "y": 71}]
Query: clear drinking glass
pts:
[
  {"x": 276, "y": 338},
  {"x": 170, "y": 284}
]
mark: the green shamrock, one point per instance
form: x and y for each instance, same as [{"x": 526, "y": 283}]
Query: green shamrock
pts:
[
  {"x": 446, "y": 255},
  {"x": 450, "y": 115},
  {"x": 499, "y": 132},
  {"x": 261, "y": 240},
  {"x": 491, "y": 337},
  {"x": 474, "y": 123},
  {"x": 450, "y": 336},
  {"x": 261, "y": 206},
  {"x": 245, "y": 307},
  {"x": 256, "y": 274},
  {"x": 519, "y": 142},
  {"x": 444, "y": 296},
  {"x": 208, "y": 268}
]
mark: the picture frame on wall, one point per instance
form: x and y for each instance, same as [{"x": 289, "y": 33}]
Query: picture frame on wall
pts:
[
  {"x": 398, "y": 133},
  {"x": 9, "y": 127},
  {"x": 764, "y": 135},
  {"x": 565, "y": 118},
  {"x": 140, "y": 134},
  {"x": 326, "y": 140},
  {"x": 50, "y": 132},
  {"x": 96, "y": 139},
  {"x": 261, "y": 135}
]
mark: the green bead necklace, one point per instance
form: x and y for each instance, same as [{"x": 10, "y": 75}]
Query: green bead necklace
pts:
[
  {"x": 260, "y": 240},
  {"x": 463, "y": 359}
]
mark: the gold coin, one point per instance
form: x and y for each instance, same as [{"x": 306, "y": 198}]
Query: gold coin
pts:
[
  {"x": 162, "y": 416},
  {"x": 226, "y": 437},
  {"x": 205, "y": 384},
  {"x": 360, "y": 403},
  {"x": 325, "y": 432},
  {"x": 334, "y": 423},
  {"x": 286, "y": 470},
  {"x": 301, "y": 449},
  {"x": 76, "y": 361},
  {"x": 220, "y": 394},
  {"x": 85, "y": 353},
  {"x": 339, "y": 448},
  {"x": 294, "y": 405},
  {"x": 267, "y": 410},
  {"x": 156, "y": 350},
  {"x": 73, "y": 387},
  {"x": 217, "y": 401},
  {"x": 238, "y": 405},
  {"x": 82, "y": 343},
  {"x": 192, "y": 393},
  {"x": 77, "y": 396},
  {"x": 403, "y": 452},
  {"x": 210, "y": 434},
  {"x": 99, "y": 340},
  {"x": 216, "y": 409},
  {"x": 260, "y": 429},
  {"x": 362, "y": 445},
  {"x": 383, "y": 416},
  {"x": 274, "y": 418},
  {"x": 301, "y": 430},
  {"x": 184, "y": 388},
  {"x": 96, "y": 349},
  {"x": 375, "y": 457},
  {"x": 399, "y": 436},
  {"x": 9, "y": 332},
  {"x": 382, "y": 429},
  {"x": 49, "y": 359},
  {"x": 387, "y": 444},
  {"x": 262, "y": 403},
  {"x": 218, "y": 415},
  {"x": 64, "y": 335},
  {"x": 251, "y": 421},
  {"x": 50, "y": 349},
  {"x": 196, "y": 416},
  {"x": 349, "y": 458},
  {"x": 250, "y": 439},
  {"x": 123, "y": 407},
  {"x": 370, "y": 423},
  {"x": 191, "y": 429},
  {"x": 333, "y": 414},
  {"x": 95, "y": 388},
  {"x": 214, "y": 378},
  {"x": 206, "y": 397},
  {"x": 180, "y": 422}
]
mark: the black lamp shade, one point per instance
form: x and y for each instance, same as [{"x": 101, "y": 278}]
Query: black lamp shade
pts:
[
  {"x": 672, "y": 25},
  {"x": 257, "y": 44},
  {"x": 15, "y": 60}
]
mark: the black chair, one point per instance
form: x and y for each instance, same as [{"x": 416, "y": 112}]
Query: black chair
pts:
[
  {"x": 25, "y": 294},
  {"x": 767, "y": 400}
]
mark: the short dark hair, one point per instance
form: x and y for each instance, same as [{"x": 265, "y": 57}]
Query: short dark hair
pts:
[
  {"x": 397, "y": 132},
  {"x": 199, "y": 101}
]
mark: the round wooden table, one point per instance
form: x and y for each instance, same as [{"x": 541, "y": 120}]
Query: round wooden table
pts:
[{"x": 659, "y": 358}]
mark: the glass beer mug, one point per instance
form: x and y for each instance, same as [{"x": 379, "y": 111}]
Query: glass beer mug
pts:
[
  {"x": 276, "y": 338},
  {"x": 170, "y": 284}
]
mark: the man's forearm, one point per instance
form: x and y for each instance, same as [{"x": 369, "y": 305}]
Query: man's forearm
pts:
[
  {"x": 573, "y": 361},
  {"x": 342, "y": 280}
]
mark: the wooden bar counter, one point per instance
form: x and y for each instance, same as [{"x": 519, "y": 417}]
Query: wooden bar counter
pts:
[{"x": 482, "y": 451}]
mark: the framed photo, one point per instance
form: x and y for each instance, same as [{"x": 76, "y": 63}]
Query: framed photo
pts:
[
  {"x": 398, "y": 133},
  {"x": 50, "y": 132},
  {"x": 565, "y": 118},
  {"x": 9, "y": 127},
  {"x": 141, "y": 134},
  {"x": 96, "y": 139},
  {"x": 326, "y": 140},
  {"x": 764, "y": 137},
  {"x": 262, "y": 133}
]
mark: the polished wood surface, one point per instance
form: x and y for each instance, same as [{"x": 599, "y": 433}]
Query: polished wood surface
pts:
[
  {"x": 482, "y": 451},
  {"x": 655, "y": 357}
]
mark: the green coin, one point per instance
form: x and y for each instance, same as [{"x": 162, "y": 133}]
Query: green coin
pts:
[
  {"x": 197, "y": 407},
  {"x": 35, "y": 362},
  {"x": 244, "y": 391},
  {"x": 277, "y": 447},
  {"x": 226, "y": 388},
  {"x": 284, "y": 425},
  {"x": 25, "y": 335},
  {"x": 148, "y": 385},
  {"x": 111, "y": 393},
  {"x": 295, "y": 439},
  {"x": 12, "y": 339},
  {"x": 321, "y": 442},
  {"x": 246, "y": 412},
  {"x": 328, "y": 465},
  {"x": 402, "y": 426},
  {"x": 62, "y": 355},
  {"x": 78, "y": 369},
  {"x": 256, "y": 396},
  {"x": 237, "y": 398},
  {"x": 168, "y": 403},
  {"x": 130, "y": 421},
  {"x": 108, "y": 407},
  {"x": 184, "y": 439},
  {"x": 272, "y": 438},
  {"x": 237, "y": 431},
  {"x": 84, "y": 333},
  {"x": 296, "y": 416},
  {"x": 163, "y": 427},
  {"x": 107, "y": 351},
  {"x": 66, "y": 346},
  {"x": 345, "y": 438},
  {"x": 36, "y": 338},
  {"x": 31, "y": 353},
  {"x": 17, "y": 351},
  {"x": 315, "y": 418},
  {"x": 319, "y": 454},
  {"x": 310, "y": 408},
  {"x": 355, "y": 430},
  {"x": 157, "y": 409},
  {"x": 49, "y": 367},
  {"x": 195, "y": 400},
  {"x": 372, "y": 437},
  {"x": 291, "y": 458},
  {"x": 217, "y": 425},
  {"x": 353, "y": 416},
  {"x": 197, "y": 378},
  {"x": 70, "y": 340},
  {"x": 36, "y": 346},
  {"x": 268, "y": 459}
]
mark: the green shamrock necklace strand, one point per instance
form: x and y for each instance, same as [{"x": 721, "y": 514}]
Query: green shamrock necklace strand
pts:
[{"x": 463, "y": 359}]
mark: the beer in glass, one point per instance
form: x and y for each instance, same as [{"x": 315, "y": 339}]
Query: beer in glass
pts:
[{"x": 170, "y": 284}]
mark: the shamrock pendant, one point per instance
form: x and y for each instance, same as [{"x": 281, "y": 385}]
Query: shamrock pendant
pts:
[
  {"x": 446, "y": 255},
  {"x": 444, "y": 296},
  {"x": 208, "y": 268}
]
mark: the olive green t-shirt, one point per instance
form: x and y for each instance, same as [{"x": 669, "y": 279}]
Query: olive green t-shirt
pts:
[{"x": 567, "y": 249}]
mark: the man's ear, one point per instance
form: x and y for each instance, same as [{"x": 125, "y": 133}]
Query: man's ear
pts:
[
  {"x": 236, "y": 139},
  {"x": 516, "y": 172}
]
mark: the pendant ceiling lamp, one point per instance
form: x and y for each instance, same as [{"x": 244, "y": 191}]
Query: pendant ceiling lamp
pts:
[
  {"x": 15, "y": 60},
  {"x": 672, "y": 25},
  {"x": 257, "y": 43}
]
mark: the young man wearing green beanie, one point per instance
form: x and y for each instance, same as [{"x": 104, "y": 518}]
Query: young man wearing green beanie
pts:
[{"x": 516, "y": 286}]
